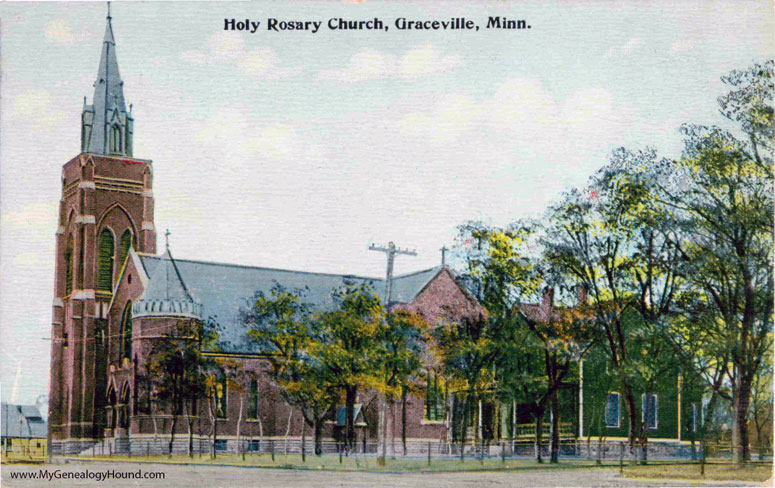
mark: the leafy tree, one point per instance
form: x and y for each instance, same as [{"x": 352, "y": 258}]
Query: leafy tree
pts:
[
  {"x": 176, "y": 363},
  {"x": 401, "y": 346},
  {"x": 721, "y": 190},
  {"x": 348, "y": 345},
  {"x": 281, "y": 325}
]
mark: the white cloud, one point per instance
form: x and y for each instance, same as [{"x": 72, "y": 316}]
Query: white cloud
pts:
[
  {"x": 424, "y": 60},
  {"x": 58, "y": 32},
  {"x": 370, "y": 64},
  {"x": 627, "y": 49},
  {"x": 229, "y": 47},
  {"x": 365, "y": 65},
  {"x": 682, "y": 46},
  {"x": 35, "y": 109}
]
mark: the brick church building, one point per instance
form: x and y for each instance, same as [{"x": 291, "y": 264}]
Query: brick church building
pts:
[{"x": 114, "y": 296}]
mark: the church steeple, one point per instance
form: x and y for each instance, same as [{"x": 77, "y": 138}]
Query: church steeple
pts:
[{"x": 106, "y": 126}]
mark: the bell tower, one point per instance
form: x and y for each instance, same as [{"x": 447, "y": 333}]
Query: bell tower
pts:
[{"x": 106, "y": 208}]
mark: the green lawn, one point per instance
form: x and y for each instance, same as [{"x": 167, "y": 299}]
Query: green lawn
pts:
[
  {"x": 754, "y": 472},
  {"x": 354, "y": 463}
]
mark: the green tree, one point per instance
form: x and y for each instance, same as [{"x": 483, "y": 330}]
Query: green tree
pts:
[
  {"x": 176, "y": 365},
  {"x": 281, "y": 325},
  {"x": 721, "y": 190},
  {"x": 348, "y": 345}
]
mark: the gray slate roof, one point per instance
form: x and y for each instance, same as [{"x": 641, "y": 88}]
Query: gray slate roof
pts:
[
  {"x": 22, "y": 421},
  {"x": 166, "y": 294},
  {"x": 224, "y": 289}
]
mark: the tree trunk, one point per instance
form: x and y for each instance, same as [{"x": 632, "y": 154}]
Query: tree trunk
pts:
[
  {"x": 239, "y": 423},
  {"x": 539, "y": 436},
  {"x": 350, "y": 394},
  {"x": 403, "y": 419},
  {"x": 318, "y": 427},
  {"x": 742, "y": 403},
  {"x": 189, "y": 421},
  {"x": 382, "y": 429},
  {"x": 632, "y": 415},
  {"x": 554, "y": 407},
  {"x": 288, "y": 429},
  {"x": 172, "y": 431}
]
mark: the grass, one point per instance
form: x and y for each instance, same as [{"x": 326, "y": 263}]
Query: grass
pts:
[
  {"x": 354, "y": 463},
  {"x": 753, "y": 472}
]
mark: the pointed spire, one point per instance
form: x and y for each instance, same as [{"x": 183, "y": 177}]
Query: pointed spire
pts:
[{"x": 107, "y": 127}]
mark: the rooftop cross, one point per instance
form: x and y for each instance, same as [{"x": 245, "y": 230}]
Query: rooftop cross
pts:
[{"x": 444, "y": 250}]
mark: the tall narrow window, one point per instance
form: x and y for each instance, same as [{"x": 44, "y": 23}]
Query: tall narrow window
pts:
[
  {"x": 115, "y": 139},
  {"x": 434, "y": 399},
  {"x": 81, "y": 252},
  {"x": 694, "y": 417},
  {"x": 124, "y": 245},
  {"x": 612, "y": 410},
  {"x": 650, "y": 410},
  {"x": 126, "y": 332},
  {"x": 105, "y": 263},
  {"x": 69, "y": 266},
  {"x": 253, "y": 405}
]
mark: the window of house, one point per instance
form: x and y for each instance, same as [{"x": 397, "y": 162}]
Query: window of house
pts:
[
  {"x": 612, "y": 410},
  {"x": 254, "y": 445},
  {"x": 694, "y": 417},
  {"x": 650, "y": 410},
  {"x": 253, "y": 404},
  {"x": 220, "y": 444},
  {"x": 105, "y": 261},
  {"x": 434, "y": 399}
]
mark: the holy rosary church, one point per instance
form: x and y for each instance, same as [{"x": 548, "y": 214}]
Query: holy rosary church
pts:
[{"x": 115, "y": 297}]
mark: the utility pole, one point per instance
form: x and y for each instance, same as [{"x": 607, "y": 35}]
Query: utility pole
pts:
[{"x": 391, "y": 250}]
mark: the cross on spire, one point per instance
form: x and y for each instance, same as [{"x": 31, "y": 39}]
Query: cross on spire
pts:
[
  {"x": 108, "y": 10},
  {"x": 444, "y": 250}
]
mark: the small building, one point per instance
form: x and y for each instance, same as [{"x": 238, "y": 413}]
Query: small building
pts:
[{"x": 23, "y": 428}]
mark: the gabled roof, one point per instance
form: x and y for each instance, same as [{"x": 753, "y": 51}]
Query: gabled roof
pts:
[
  {"x": 224, "y": 289},
  {"x": 22, "y": 421}
]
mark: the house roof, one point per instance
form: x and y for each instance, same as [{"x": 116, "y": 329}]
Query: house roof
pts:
[
  {"x": 224, "y": 289},
  {"x": 22, "y": 421}
]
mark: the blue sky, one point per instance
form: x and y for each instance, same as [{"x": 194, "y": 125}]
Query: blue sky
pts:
[{"x": 312, "y": 146}]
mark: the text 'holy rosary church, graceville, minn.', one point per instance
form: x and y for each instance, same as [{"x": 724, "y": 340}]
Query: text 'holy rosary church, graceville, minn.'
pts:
[{"x": 114, "y": 297}]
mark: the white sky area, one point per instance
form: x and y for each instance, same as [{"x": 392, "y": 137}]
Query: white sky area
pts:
[{"x": 297, "y": 150}]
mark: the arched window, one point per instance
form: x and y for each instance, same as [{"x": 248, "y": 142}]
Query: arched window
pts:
[
  {"x": 124, "y": 403},
  {"x": 111, "y": 408},
  {"x": 105, "y": 263},
  {"x": 124, "y": 245},
  {"x": 125, "y": 350},
  {"x": 69, "y": 266},
  {"x": 115, "y": 139}
]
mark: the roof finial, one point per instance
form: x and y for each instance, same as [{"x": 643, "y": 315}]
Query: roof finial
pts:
[
  {"x": 108, "y": 11},
  {"x": 443, "y": 255},
  {"x": 167, "y": 240}
]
